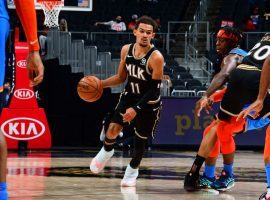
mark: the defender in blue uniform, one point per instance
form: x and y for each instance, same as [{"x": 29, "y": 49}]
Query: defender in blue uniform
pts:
[
  {"x": 228, "y": 40},
  {"x": 242, "y": 89}
]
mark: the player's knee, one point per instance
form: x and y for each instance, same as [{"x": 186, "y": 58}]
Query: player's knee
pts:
[{"x": 113, "y": 130}]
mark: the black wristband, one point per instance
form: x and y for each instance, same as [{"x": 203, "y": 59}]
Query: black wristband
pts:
[{"x": 137, "y": 109}]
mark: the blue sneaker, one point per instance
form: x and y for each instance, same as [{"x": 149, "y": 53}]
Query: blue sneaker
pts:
[
  {"x": 225, "y": 182},
  {"x": 205, "y": 182}
]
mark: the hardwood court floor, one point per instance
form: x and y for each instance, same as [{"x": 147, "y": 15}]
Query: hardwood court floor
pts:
[{"x": 65, "y": 175}]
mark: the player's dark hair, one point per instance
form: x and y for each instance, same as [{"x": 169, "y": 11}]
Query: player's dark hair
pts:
[{"x": 146, "y": 20}]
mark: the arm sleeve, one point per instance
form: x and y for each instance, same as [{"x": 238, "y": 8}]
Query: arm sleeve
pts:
[
  {"x": 152, "y": 96},
  {"x": 27, "y": 14},
  {"x": 217, "y": 96}
]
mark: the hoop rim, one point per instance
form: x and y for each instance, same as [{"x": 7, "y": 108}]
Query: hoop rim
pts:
[
  {"x": 51, "y": 2},
  {"x": 48, "y": 5},
  {"x": 38, "y": 1}
]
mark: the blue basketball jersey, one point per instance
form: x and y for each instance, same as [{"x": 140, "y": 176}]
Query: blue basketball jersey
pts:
[
  {"x": 3, "y": 9},
  {"x": 238, "y": 51}
]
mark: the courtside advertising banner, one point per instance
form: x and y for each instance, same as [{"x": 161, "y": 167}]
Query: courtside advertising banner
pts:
[
  {"x": 23, "y": 120},
  {"x": 179, "y": 125}
]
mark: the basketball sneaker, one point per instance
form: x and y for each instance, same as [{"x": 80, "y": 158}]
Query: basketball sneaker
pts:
[
  {"x": 265, "y": 196},
  {"x": 225, "y": 182},
  {"x": 205, "y": 182},
  {"x": 191, "y": 181},
  {"x": 130, "y": 177},
  {"x": 99, "y": 161}
]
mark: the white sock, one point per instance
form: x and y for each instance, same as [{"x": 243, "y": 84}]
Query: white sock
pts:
[{"x": 104, "y": 155}]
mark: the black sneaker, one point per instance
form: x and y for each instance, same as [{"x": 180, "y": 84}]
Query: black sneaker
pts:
[{"x": 191, "y": 181}]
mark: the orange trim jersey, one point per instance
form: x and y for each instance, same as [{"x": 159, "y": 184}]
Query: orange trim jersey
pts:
[
  {"x": 217, "y": 96},
  {"x": 27, "y": 14}
]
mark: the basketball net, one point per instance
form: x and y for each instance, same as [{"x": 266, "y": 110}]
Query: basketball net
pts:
[{"x": 51, "y": 9}]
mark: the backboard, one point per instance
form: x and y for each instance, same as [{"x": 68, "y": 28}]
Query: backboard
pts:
[{"x": 69, "y": 5}]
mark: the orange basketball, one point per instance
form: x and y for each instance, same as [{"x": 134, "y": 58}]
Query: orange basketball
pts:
[{"x": 89, "y": 88}]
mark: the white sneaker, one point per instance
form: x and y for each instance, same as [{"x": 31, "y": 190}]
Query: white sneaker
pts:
[
  {"x": 99, "y": 161},
  {"x": 130, "y": 177}
]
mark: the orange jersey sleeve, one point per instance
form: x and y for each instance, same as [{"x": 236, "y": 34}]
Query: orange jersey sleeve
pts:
[
  {"x": 217, "y": 96},
  {"x": 27, "y": 14}
]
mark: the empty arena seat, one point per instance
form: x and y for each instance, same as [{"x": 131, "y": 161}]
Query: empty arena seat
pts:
[
  {"x": 193, "y": 82},
  {"x": 178, "y": 82}
]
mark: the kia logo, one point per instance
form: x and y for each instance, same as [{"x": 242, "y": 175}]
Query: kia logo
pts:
[
  {"x": 21, "y": 63},
  {"x": 23, "y": 128},
  {"x": 24, "y": 93}
]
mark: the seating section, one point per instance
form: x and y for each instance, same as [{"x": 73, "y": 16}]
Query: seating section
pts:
[
  {"x": 183, "y": 84},
  {"x": 164, "y": 10},
  {"x": 88, "y": 50}
]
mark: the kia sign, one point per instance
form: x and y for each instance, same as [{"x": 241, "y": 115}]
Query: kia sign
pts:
[
  {"x": 21, "y": 63},
  {"x": 23, "y": 120},
  {"x": 23, "y": 128},
  {"x": 24, "y": 93}
]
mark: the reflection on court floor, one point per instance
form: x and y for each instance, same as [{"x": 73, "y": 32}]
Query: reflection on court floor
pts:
[{"x": 66, "y": 175}]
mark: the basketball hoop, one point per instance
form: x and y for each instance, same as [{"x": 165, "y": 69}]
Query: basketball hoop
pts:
[{"x": 51, "y": 10}]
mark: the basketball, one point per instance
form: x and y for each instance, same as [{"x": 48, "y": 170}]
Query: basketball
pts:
[{"x": 89, "y": 88}]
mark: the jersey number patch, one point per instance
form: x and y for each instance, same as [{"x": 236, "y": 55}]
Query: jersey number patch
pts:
[
  {"x": 135, "y": 88},
  {"x": 260, "y": 52}
]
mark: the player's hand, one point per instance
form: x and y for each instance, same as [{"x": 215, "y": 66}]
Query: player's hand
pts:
[
  {"x": 35, "y": 68},
  {"x": 253, "y": 110},
  {"x": 204, "y": 102},
  {"x": 129, "y": 115}
]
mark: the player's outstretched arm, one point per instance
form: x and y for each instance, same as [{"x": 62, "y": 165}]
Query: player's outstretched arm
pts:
[
  {"x": 257, "y": 106},
  {"x": 228, "y": 64},
  {"x": 206, "y": 103},
  {"x": 27, "y": 14}
]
